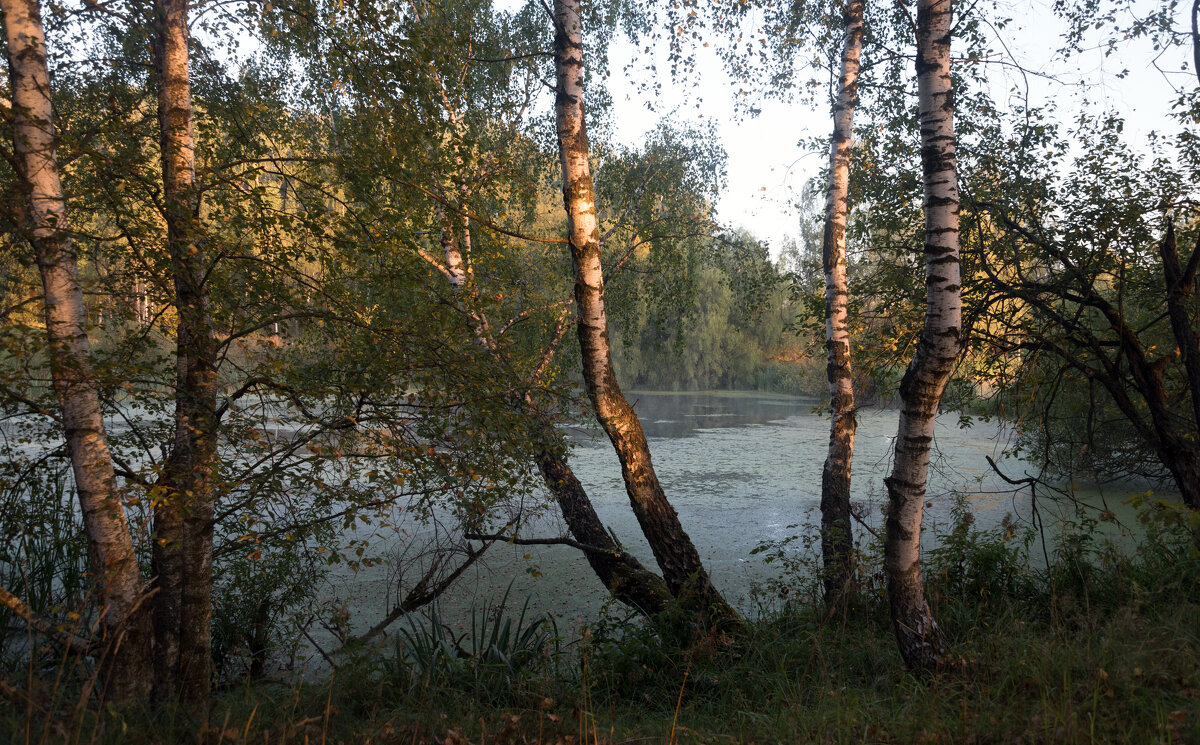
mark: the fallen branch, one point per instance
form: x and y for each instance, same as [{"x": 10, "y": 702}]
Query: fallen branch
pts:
[
  {"x": 34, "y": 621},
  {"x": 423, "y": 594}
]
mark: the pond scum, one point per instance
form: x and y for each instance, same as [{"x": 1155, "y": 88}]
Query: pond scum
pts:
[{"x": 1100, "y": 647}]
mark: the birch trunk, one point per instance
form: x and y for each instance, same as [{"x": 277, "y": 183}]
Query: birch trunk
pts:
[
  {"x": 676, "y": 556},
  {"x": 837, "y": 539},
  {"x": 622, "y": 574},
  {"x": 126, "y": 632},
  {"x": 921, "y": 642},
  {"x": 456, "y": 270},
  {"x": 184, "y": 513}
]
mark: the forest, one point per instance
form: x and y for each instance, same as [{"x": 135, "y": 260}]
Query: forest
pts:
[{"x": 339, "y": 338}]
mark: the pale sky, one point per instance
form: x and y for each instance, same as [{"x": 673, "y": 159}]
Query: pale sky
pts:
[{"x": 767, "y": 169}]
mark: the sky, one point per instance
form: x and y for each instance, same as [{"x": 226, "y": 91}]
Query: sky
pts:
[{"x": 766, "y": 167}]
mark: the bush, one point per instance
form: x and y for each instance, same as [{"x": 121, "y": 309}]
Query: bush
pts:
[{"x": 973, "y": 568}]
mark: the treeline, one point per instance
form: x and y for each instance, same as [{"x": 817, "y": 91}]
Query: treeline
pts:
[{"x": 740, "y": 324}]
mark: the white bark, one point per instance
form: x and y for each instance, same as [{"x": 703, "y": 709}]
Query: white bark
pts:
[
  {"x": 110, "y": 546},
  {"x": 674, "y": 551},
  {"x": 921, "y": 642},
  {"x": 837, "y": 541}
]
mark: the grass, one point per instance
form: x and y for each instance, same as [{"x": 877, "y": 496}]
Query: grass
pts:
[{"x": 1102, "y": 654}]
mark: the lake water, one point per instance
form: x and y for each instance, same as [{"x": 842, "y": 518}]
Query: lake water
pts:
[{"x": 740, "y": 468}]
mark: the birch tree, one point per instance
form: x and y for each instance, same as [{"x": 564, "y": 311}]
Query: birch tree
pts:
[
  {"x": 465, "y": 158},
  {"x": 837, "y": 542},
  {"x": 921, "y": 642},
  {"x": 125, "y": 630},
  {"x": 183, "y": 516},
  {"x": 681, "y": 566},
  {"x": 620, "y": 572}
]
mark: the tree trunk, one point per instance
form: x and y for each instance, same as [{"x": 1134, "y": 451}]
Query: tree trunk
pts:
[
  {"x": 1180, "y": 281},
  {"x": 622, "y": 575},
  {"x": 921, "y": 642},
  {"x": 837, "y": 539},
  {"x": 1183, "y": 462},
  {"x": 673, "y": 549},
  {"x": 184, "y": 512},
  {"x": 456, "y": 270},
  {"x": 1175, "y": 448},
  {"x": 110, "y": 546}
]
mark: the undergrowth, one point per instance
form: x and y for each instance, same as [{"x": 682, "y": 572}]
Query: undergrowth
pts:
[{"x": 1100, "y": 647}]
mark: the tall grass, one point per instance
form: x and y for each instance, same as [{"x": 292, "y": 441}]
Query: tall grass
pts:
[
  {"x": 490, "y": 660},
  {"x": 1101, "y": 646},
  {"x": 43, "y": 558}
]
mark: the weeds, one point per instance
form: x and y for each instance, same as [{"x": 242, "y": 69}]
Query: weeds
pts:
[
  {"x": 491, "y": 660},
  {"x": 1100, "y": 647}
]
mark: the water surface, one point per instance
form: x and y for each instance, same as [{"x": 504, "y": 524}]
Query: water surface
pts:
[{"x": 740, "y": 468}]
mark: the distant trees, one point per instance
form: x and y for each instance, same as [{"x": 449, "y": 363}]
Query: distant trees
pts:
[{"x": 717, "y": 316}]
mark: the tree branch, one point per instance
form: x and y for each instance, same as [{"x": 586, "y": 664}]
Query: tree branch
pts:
[
  {"x": 463, "y": 211},
  {"x": 67, "y": 639},
  {"x": 561, "y": 541}
]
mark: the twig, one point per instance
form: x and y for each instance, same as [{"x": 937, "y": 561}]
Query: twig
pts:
[
  {"x": 1001, "y": 474},
  {"x": 319, "y": 649}
]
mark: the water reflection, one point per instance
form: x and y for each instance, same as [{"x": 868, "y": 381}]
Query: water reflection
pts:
[{"x": 675, "y": 415}]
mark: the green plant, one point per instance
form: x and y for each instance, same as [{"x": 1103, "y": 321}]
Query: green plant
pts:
[
  {"x": 43, "y": 556},
  {"x": 259, "y": 591},
  {"x": 976, "y": 566},
  {"x": 494, "y": 656},
  {"x": 799, "y": 560}
]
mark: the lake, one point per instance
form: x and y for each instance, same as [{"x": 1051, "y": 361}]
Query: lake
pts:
[{"x": 740, "y": 468}]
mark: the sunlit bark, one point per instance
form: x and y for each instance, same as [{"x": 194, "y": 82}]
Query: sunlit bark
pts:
[
  {"x": 673, "y": 549},
  {"x": 184, "y": 508},
  {"x": 921, "y": 642},
  {"x": 110, "y": 547},
  {"x": 622, "y": 574},
  {"x": 837, "y": 541}
]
